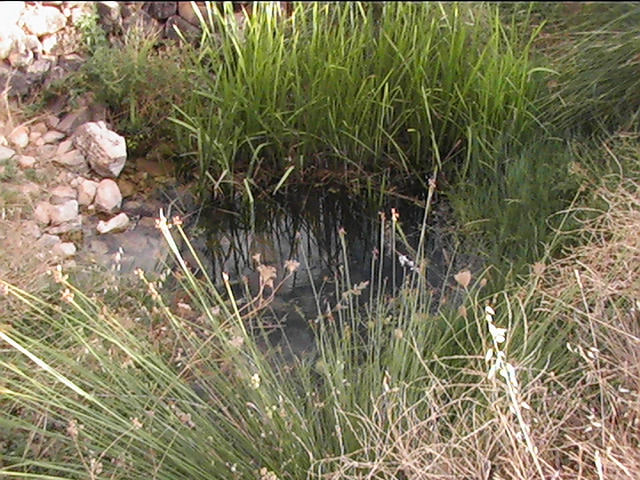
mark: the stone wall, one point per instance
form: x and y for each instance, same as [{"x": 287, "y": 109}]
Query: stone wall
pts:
[{"x": 40, "y": 42}]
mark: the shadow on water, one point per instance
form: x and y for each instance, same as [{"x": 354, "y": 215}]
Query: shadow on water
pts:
[{"x": 305, "y": 226}]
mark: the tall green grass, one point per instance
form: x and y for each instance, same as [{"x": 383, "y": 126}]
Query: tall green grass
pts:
[
  {"x": 187, "y": 391},
  {"x": 594, "y": 49},
  {"x": 359, "y": 87}
]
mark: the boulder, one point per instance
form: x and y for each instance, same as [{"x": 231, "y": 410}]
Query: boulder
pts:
[
  {"x": 105, "y": 150},
  {"x": 64, "y": 212},
  {"x": 87, "y": 192},
  {"x": 108, "y": 197},
  {"x": 119, "y": 223},
  {"x": 161, "y": 10},
  {"x": 41, "y": 20}
]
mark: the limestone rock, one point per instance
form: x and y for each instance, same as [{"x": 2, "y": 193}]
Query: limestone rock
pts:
[
  {"x": 108, "y": 197},
  {"x": 41, "y": 214},
  {"x": 11, "y": 39},
  {"x": 87, "y": 192},
  {"x": 105, "y": 150},
  {"x": 74, "y": 225},
  {"x": 11, "y": 12},
  {"x": 61, "y": 194},
  {"x": 64, "y": 249},
  {"x": 30, "y": 228},
  {"x": 43, "y": 20},
  {"x": 74, "y": 161},
  {"x": 119, "y": 223},
  {"x": 19, "y": 137},
  {"x": 6, "y": 153},
  {"x": 64, "y": 147},
  {"x": 26, "y": 162},
  {"x": 72, "y": 120},
  {"x": 47, "y": 241},
  {"x": 53, "y": 136},
  {"x": 64, "y": 212}
]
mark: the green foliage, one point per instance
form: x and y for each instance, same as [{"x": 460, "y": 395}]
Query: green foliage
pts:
[
  {"x": 594, "y": 48},
  {"x": 357, "y": 86}
]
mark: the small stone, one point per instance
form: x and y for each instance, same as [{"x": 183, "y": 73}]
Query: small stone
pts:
[
  {"x": 30, "y": 189},
  {"x": 119, "y": 223},
  {"x": 74, "y": 161},
  {"x": 74, "y": 225},
  {"x": 40, "y": 127},
  {"x": 6, "y": 153},
  {"x": 21, "y": 59},
  {"x": 87, "y": 192},
  {"x": 35, "y": 137},
  {"x": 71, "y": 121},
  {"x": 127, "y": 188},
  {"x": 108, "y": 197},
  {"x": 64, "y": 147},
  {"x": 41, "y": 214},
  {"x": 51, "y": 121},
  {"x": 64, "y": 249},
  {"x": 47, "y": 241},
  {"x": 64, "y": 212},
  {"x": 53, "y": 136},
  {"x": 31, "y": 229},
  {"x": 26, "y": 162},
  {"x": 47, "y": 152},
  {"x": 19, "y": 137},
  {"x": 61, "y": 194}
]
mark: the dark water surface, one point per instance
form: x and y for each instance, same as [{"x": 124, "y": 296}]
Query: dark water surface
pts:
[{"x": 306, "y": 226}]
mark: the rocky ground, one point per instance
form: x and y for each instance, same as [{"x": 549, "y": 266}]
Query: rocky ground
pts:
[{"x": 70, "y": 194}]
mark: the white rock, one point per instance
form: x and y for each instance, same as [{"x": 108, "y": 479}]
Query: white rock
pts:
[
  {"x": 11, "y": 12},
  {"x": 6, "y": 153},
  {"x": 52, "y": 136},
  {"x": 62, "y": 194},
  {"x": 64, "y": 249},
  {"x": 105, "y": 150},
  {"x": 43, "y": 20},
  {"x": 65, "y": 212},
  {"x": 118, "y": 223},
  {"x": 11, "y": 39},
  {"x": 19, "y": 137},
  {"x": 26, "y": 162},
  {"x": 87, "y": 192},
  {"x": 108, "y": 197}
]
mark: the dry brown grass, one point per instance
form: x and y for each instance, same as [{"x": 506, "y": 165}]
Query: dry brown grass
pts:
[{"x": 584, "y": 423}]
